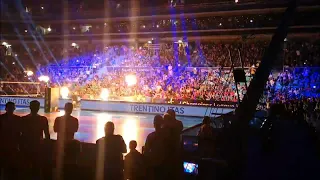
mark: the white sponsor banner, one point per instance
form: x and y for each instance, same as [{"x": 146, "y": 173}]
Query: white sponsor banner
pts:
[
  {"x": 151, "y": 108},
  {"x": 20, "y": 101},
  {"x": 62, "y": 102},
  {"x": 25, "y": 101},
  {"x": 112, "y": 106}
]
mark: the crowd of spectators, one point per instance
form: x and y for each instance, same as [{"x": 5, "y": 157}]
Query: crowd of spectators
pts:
[
  {"x": 160, "y": 85},
  {"x": 11, "y": 71},
  {"x": 294, "y": 84},
  {"x": 157, "y": 54},
  {"x": 24, "y": 148},
  {"x": 161, "y": 157},
  {"x": 307, "y": 109},
  {"x": 171, "y": 71}
]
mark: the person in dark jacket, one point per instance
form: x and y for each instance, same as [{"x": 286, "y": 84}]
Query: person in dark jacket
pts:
[
  {"x": 66, "y": 126},
  {"x": 134, "y": 166},
  {"x": 9, "y": 140},
  {"x": 154, "y": 150},
  {"x": 173, "y": 159},
  {"x": 110, "y": 149},
  {"x": 206, "y": 138},
  {"x": 33, "y": 126},
  {"x": 174, "y": 122}
]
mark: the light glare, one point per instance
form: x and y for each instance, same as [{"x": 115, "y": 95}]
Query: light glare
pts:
[
  {"x": 131, "y": 79},
  {"x": 64, "y": 92},
  {"x": 44, "y": 79},
  {"x": 29, "y": 73},
  {"x": 104, "y": 95}
]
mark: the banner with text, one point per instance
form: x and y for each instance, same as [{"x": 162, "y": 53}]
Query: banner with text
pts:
[
  {"x": 20, "y": 101},
  {"x": 25, "y": 101},
  {"x": 129, "y": 107},
  {"x": 217, "y": 104},
  {"x": 150, "y": 108},
  {"x": 131, "y": 69}
]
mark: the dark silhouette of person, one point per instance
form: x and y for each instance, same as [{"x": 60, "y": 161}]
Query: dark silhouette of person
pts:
[
  {"x": 70, "y": 161},
  {"x": 33, "y": 126},
  {"x": 174, "y": 122},
  {"x": 9, "y": 140},
  {"x": 65, "y": 126},
  {"x": 110, "y": 154},
  {"x": 206, "y": 138},
  {"x": 171, "y": 133},
  {"x": 154, "y": 150},
  {"x": 206, "y": 130},
  {"x": 134, "y": 166},
  {"x": 174, "y": 127}
]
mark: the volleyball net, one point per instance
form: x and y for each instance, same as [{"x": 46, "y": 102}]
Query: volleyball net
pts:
[{"x": 21, "y": 89}]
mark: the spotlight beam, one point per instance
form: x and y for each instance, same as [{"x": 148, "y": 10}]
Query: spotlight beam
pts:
[
  {"x": 184, "y": 28},
  {"x": 17, "y": 59},
  {"x": 19, "y": 63},
  {"x": 27, "y": 17},
  {"x": 133, "y": 21},
  {"x": 174, "y": 35},
  {"x": 106, "y": 29},
  {"x": 23, "y": 16},
  {"x": 22, "y": 41},
  {"x": 196, "y": 33}
]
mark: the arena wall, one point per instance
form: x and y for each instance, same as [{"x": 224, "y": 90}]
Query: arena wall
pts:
[
  {"x": 25, "y": 101},
  {"x": 126, "y": 107},
  {"x": 151, "y": 108},
  {"x": 20, "y": 101}
]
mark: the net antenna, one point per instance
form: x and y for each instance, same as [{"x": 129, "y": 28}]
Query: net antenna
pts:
[{"x": 8, "y": 88}]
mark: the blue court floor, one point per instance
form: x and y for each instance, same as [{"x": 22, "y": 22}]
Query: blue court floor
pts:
[{"x": 130, "y": 126}]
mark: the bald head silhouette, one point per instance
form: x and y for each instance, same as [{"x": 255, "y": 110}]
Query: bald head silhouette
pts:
[
  {"x": 109, "y": 128},
  {"x": 68, "y": 108},
  {"x": 10, "y": 107},
  {"x": 34, "y": 107}
]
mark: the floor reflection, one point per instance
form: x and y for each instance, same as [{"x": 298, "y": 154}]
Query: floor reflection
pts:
[{"x": 130, "y": 126}]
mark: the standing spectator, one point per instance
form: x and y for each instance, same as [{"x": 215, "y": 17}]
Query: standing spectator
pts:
[
  {"x": 33, "y": 127},
  {"x": 175, "y": 123},
  {"x": 9, "y": 140},
  {"x": 134, "y": 166},
  {"x": 154, "y": 150},
  {"x": 206, "y": 138},
  {"x": 109, "y": 156},
  {"x": 173, "y": 157},
  {"x": 71, "y": 154},
  {"x": 65, "y": 126},
  {"x": 206, "y": 130}
]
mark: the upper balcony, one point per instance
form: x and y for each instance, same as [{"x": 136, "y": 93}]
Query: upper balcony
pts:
[
  {"x": 41, "y": 10},
  {"x": 237, "y": 22}
]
